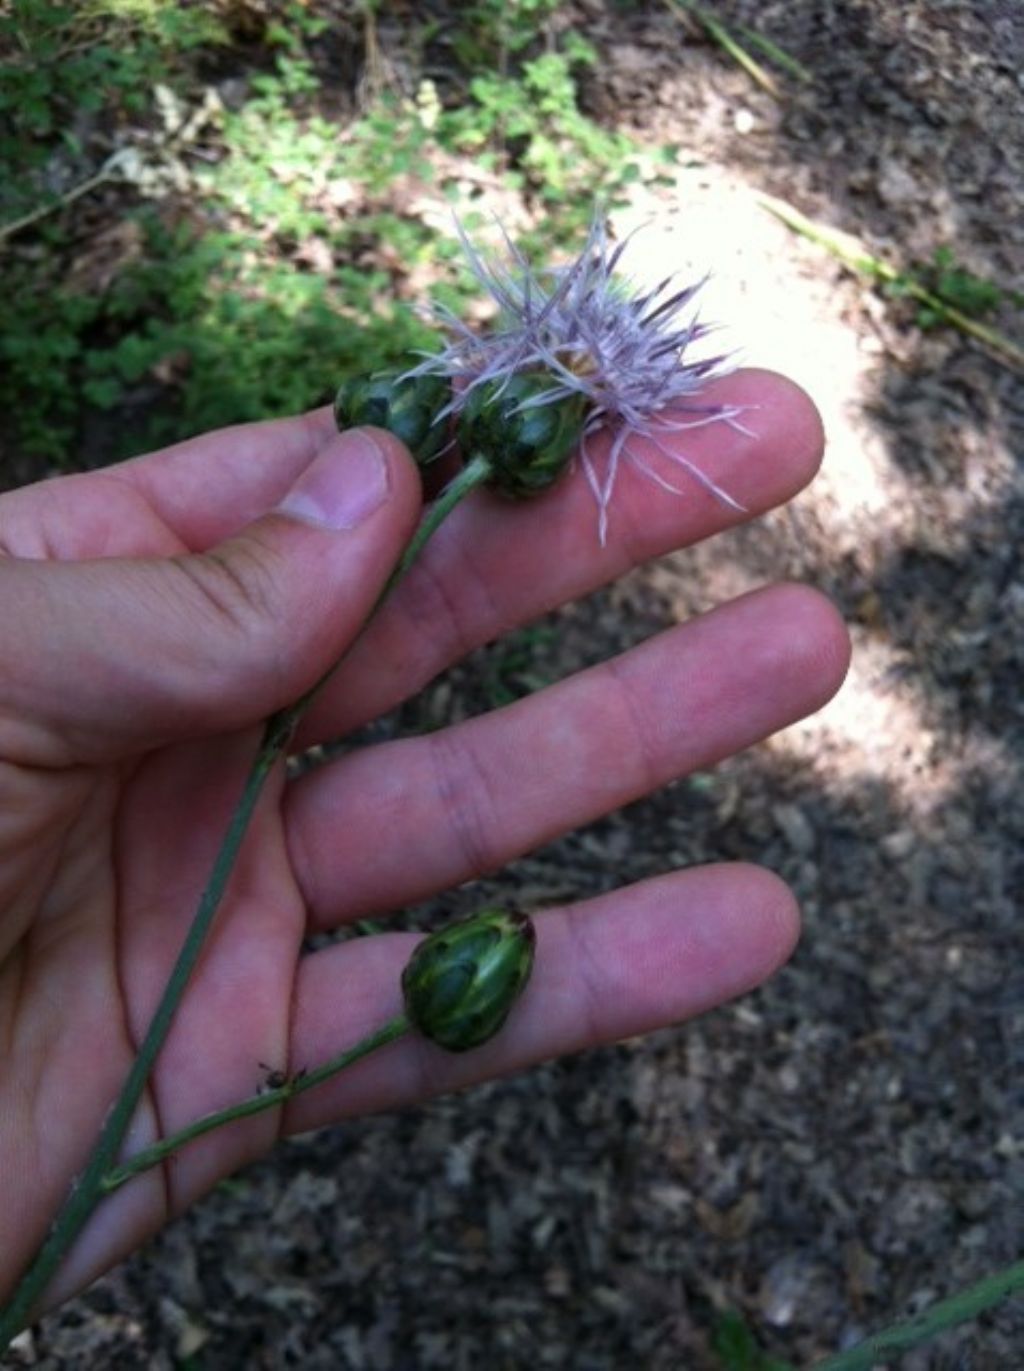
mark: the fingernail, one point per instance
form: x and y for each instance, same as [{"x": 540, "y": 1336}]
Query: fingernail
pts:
[{"x": 343, "y": 486}]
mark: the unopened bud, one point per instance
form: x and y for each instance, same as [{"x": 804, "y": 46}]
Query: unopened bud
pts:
[
  {"x": 461, "y": 981},
  {"x": 528, "y": 445},
  {"x": 406, "y": 406}
]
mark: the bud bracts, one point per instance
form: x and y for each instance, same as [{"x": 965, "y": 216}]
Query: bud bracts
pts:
[
  {"x": 527, "y": 441},
  {"x": 410, "y": 407},
  {"x": 462, "y": 981}
]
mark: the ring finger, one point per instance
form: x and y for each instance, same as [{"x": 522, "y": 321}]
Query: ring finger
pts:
[{"x": 399, "y": 822}]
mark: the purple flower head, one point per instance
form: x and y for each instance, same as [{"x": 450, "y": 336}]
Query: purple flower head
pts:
[{"x": 598, "y": 335}]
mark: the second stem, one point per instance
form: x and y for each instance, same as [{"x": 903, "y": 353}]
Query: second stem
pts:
[{"x": 278, "y": 733}]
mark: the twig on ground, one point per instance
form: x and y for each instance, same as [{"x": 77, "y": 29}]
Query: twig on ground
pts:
[
  {"x": 717, "y": 31},
  {"x": 849, "y": 250},
  {"x": 900, "y": 1337},
  {"x": 108, "y": 172}
]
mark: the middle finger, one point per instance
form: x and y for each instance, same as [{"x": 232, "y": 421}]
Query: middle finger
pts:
[
  {"x": 497, "y": 564},
  {"x": 401, "y": 821}
]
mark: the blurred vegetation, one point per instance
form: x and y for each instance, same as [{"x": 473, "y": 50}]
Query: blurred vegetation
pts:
[
  {"x": 216, "y": 212},
  {"x": 737, "y": 1349},
  {"x": 957, "y": 288}
]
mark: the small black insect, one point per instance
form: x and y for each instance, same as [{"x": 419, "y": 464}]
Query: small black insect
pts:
[{"x": 276, "y": 1079}]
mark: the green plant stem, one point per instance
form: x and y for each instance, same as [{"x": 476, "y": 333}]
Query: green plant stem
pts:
[
  {"x": 721, "y": 35},
  {"x": 256, "y": 1104},
  {"x": 966, "y": 1304},
  {"x": 778, "y": 55},
  {"x": 847, "y": 250},
  {"x": 277, "y": 735},
  {"x": 474, "y": 473}
]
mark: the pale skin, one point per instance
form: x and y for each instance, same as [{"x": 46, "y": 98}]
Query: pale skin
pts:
[{"x": 154, "y": 613}]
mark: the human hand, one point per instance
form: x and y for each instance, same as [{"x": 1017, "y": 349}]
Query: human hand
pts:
[{"x": 156, "y": 612}]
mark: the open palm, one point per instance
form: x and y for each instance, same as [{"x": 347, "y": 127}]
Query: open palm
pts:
[{"x": 155, "y": 612}]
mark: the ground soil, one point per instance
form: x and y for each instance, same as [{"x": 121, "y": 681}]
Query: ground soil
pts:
[{"x": 843, "y": 1146}]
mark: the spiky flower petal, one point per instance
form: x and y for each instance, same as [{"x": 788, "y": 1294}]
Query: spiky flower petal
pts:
[{"x": 597, "y": 337}]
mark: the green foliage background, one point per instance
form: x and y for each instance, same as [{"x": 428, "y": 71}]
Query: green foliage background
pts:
[{"x": 219, "y": 312}]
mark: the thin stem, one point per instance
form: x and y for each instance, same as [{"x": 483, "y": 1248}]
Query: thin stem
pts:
[
  {"x": 87, "y": 1191},
  {"x": 473, "y": 474},
  {"x": 109, "y": 171},
  {"x": 721, "y": 35},
  {"x": 777, "y": 54},
  {"x": 277, "y": 735},
  {"x": 852, "y": 254},
  {"x": 61, "y": 202},
  {"x": 966, "y": 1304},
  {"x": 257, "y": 1104}
]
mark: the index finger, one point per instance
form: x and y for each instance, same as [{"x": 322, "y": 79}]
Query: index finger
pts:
[
  {"x": 496, "y": 563},
  {"x": 207, "y": 488},
  {"x": 183, "y": 498}
]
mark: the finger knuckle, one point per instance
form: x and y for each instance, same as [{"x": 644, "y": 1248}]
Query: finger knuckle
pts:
[{"x": 236, "y": 588}]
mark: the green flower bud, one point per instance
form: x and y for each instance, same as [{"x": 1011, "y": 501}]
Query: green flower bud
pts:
[
  {"x": 527, "y": 448},
  {"x": 407, "y": 407},
  {"x": 461, "y": 981}
]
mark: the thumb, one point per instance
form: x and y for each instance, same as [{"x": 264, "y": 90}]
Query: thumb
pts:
[{"x": 104, "y": 658}]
